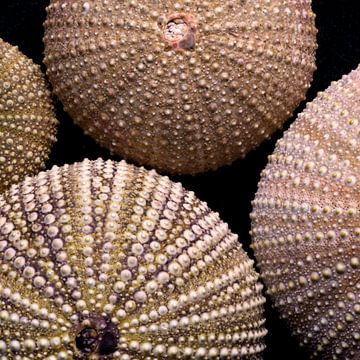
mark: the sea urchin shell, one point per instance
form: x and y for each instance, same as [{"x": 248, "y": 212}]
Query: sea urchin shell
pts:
[
  {"x": 181, "y": 86},
  {"x": 103, "y": 260},
  {"x": 306, "y": 223},
  {"x": 27, "y": 120}
]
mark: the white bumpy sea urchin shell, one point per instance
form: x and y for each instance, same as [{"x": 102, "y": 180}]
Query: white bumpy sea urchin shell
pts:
[
  {"x": 182, "y": 86},
  {"x": 306, "y": 223},
  {"x": 27, "y": 119},
  {"x": 103, "y": 260}
]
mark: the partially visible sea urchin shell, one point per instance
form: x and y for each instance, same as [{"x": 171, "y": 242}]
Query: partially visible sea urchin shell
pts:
[
  {"x": 103, "y": 260},
  {"x": 181, "y": 86},
  {"x": 27, "y": 119},
  {"x": 306, "y": 223}
]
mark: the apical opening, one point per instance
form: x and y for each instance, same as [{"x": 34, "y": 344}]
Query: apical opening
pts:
[
  {"x": 176, "y": 29},
  {"x": 179, "y": 31}
]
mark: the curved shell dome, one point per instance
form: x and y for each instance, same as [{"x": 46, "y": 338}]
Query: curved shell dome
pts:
[
  {"x": 181, "y": 86},
  {"x": 27, "y": 119},
  {"x": 103, "y": 260},
  {"x": 306, "y": 223}
]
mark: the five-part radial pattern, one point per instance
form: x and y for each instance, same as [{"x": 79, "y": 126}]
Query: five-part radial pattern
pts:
[
  {"x": 103, "y": 260},
  {"x": 306, "y": 223},
  {"x": 182, "y": 86},
  {"x": 27, "y": 119}
]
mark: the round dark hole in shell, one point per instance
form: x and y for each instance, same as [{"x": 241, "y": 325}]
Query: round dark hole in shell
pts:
[
  {"x": 108, "y": 344},
  {"x": 86, "y": 341}
]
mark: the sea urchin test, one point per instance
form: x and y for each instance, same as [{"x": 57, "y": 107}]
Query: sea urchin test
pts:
[
  {"x": 27, "y": 119},
  {"x": 306, "y": 223},
  {"x": 103, "y": 260},
  {"x": 180, "y": 86}
]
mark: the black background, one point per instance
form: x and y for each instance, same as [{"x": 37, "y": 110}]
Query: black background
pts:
[{"x": 229, "y": 190}]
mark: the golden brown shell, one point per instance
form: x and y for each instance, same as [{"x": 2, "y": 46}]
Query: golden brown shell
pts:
[
  {"x": 27, "y": 119},
  {"x": 181, "y": 86},
  {"x": 306, "y": 223},
  {"x": 103, "y": 260}
]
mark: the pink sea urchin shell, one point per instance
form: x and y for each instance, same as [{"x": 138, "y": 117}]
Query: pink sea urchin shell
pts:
[{"x": 306, "y": 223}]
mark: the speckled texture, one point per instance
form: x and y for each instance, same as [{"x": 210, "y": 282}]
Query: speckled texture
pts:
[
  {"x": 306, "y": 223},
  {"x": 103, "y": 260},
  {"x": 181, "y": 86},
  {"x": 27, "y": 119}
]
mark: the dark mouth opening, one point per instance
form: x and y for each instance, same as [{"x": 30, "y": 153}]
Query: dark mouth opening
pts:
[
  {"x": 108, "y": 344},
  {"x": 99, "y": 336}
]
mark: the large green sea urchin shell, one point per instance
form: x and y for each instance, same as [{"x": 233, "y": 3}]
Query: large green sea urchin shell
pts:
[
  {"x": 306, "y": 223},
  {"x": 182, "y": 86},
  {"x": 103, "y": 260},
  {"x": 27, "y": 120}
]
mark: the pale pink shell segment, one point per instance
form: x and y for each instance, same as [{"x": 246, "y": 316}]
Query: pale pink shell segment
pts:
[{"x": 306, "y": 223}]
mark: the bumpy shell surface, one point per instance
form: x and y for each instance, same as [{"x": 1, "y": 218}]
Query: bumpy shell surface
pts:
[
  {"x": 182, "y": 86},
  {"x": 103, "y": 260},
  {"x": 306, "y": 223},
  {"x": 27, "y": 119}
]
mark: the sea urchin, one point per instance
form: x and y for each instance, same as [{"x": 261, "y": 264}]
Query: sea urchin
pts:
[
  {"x": 27, "y": 119},
  {"x": 103, "y": 260},
  {"x": 306, "y": 223},
  {"x": 181, "y": 86}
]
